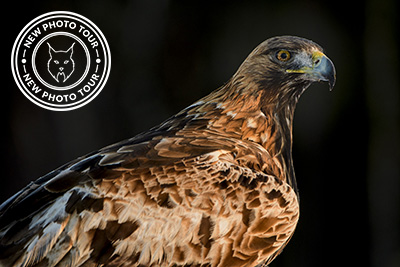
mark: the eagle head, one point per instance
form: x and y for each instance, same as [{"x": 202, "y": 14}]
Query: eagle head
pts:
[{"x": 287, "y": 65}]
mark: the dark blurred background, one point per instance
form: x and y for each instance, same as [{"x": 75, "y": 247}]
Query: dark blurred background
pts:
[{"x": 167, "y": 54}]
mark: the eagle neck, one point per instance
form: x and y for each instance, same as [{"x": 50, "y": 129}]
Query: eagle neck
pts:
[
  {"x": 252, "y": 115},
  {"x": 242, "y": 110},
  {"x": 284, "y": 121}
]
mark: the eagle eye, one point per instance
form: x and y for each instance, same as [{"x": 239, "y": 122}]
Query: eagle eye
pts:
[{"x": 283, "y": 55}]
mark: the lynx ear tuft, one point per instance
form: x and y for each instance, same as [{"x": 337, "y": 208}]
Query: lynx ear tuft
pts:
[
  {"x": 51, "y": 49},
  {"x": 71, "y": 49}
]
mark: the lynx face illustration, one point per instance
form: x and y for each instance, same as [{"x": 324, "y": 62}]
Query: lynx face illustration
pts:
[{"x": 61, "y": 65}]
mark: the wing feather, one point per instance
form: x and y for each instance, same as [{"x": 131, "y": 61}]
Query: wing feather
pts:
[{"x": 106, "y": 209}]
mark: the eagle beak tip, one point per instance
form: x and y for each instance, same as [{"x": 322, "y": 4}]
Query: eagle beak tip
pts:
[{"x": 325, "y": 70}]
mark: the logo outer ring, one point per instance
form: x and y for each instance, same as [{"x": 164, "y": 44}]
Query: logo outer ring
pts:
[{"x": 15, "y": 60}]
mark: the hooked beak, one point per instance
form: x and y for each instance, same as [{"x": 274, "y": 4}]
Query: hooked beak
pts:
[{"x": 322, "y": 69}]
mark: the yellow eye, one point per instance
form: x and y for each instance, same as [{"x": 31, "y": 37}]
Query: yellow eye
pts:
[{"x": 283, "y": 55}]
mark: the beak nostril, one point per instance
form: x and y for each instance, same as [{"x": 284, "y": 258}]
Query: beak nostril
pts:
[{"x": 317, "y": 62}]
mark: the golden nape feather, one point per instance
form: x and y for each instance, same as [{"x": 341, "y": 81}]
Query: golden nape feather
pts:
[{"x": 213, "y": 185}]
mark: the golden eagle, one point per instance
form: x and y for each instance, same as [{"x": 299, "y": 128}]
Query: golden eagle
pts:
[{"x": 213, "y": 185}]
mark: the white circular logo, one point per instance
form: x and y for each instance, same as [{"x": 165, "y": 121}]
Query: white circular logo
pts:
[{"x": 61, "y": 61}]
